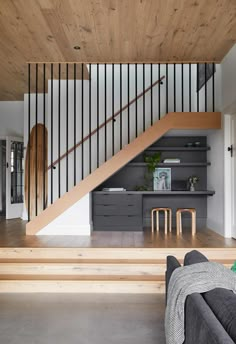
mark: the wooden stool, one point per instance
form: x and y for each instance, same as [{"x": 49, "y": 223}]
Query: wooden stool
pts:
[
  {"x": 179, "y": 212},
  {"x": 166, "y": 212}
]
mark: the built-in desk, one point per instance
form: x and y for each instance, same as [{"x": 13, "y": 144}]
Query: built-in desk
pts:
[{"x": 130, "y": 210}]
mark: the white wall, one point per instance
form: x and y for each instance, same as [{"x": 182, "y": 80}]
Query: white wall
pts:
[
  {"x": 228, "y": 108},
  {"x": 11, "y": 118},
  {"x": 229, "y": 82},
  {"x": 215, "y": 181}
]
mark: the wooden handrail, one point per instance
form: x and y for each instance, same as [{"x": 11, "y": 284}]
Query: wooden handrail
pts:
[{"x": 105, "y": 123}]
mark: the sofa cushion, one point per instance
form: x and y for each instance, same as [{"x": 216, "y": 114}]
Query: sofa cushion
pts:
[
  {"x": 194, "y": 257},
  {"x": 223, "y": 304}
]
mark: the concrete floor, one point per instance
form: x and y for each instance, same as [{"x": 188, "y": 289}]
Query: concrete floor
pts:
[{"x": 81, "y": 319}]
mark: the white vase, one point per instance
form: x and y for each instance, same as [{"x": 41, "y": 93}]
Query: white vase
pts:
[{"x": 192, "y": 187}]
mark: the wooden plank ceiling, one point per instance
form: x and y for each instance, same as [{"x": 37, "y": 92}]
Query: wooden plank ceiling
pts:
[{"x": 110, "y": 31}]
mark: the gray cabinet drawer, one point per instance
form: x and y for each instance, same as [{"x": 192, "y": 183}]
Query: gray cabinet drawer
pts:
[
  {"x": 113, "y": 221},
  {"x": 114, "y": 209},
  {"x": 117, "y": 199}
]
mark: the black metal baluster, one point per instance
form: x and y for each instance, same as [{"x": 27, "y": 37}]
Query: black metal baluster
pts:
[
  {"x": 51, "y": 133},
  {"x": 174, "y": 87},
  {"x": 90, "y": 119},
  {"x": 113, "y": 118},
  {"x": 97, "y": 115},
  {"x": 36, "y": 139},
  {"x": 44, "y": 136},
  {"x": 136, "y": 102},
  {"x": 121, "y": 122},
  {"x": 105, "y": 109},
  {"x": 29, "y": 130},
  {"x": 67, "y": 127},
  {"x": 190, "y": 88},
  {"x": 159, "y": 91},
  {"x": 144, "y": 97},
  {"x": 128, "y": 110},
  {"x": 205, "y": 87},
  {"x": 197, "y": 87},
  {"x": 151, "y": 76},
  {"x": 213, "y": 87},
  {"x": 75, "y": 123},
  {"x": 182, "y": 88},
  {"x": 167, "y": 88},
  {"x": 82, "y": 122},
  {"x": 59, "y": 130}
]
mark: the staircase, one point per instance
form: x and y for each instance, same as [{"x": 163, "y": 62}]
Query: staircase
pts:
[
  {"x": 92, "y": 270},
  {"x": 105, "y": 145}
]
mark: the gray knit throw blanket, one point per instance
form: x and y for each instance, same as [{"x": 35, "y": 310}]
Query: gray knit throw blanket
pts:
[{"x": 186, "y": 280}]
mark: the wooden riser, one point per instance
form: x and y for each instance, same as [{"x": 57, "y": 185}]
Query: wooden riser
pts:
[
  {"x": 83, "y": 271},
  {"x": 133, "y": 287}
]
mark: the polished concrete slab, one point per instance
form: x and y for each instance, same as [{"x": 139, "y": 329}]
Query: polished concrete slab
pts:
[{"x": 81, "y": 319}]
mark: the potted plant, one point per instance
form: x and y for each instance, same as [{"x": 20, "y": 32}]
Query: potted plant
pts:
[
  {"x": 152, "y": 161},
  {"x": 192, "y": 182}
]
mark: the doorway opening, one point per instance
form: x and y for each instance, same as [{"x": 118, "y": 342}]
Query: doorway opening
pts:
[{"x": 3, "y": 178}]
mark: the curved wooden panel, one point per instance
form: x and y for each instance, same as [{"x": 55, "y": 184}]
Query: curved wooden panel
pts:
[{"x": 42, "y": 160}]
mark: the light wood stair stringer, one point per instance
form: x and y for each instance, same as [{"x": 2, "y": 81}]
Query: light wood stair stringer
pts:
[{"x": 173, "y": 120}]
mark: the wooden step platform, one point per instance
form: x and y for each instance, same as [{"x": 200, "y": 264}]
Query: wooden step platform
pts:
[{"x": 92, "y": 270}]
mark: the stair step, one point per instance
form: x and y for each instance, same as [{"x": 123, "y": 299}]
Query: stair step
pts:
[
  {"x": 92, "y": 270},
  {"x": 57, "y": 286},
  {"x": 81, "y": 269}
]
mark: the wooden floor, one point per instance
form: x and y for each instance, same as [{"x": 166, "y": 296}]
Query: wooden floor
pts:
[{"x": 12, "y": 234}]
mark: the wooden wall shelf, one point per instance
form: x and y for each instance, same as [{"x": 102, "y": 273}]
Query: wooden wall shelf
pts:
[
  {"x": 181, "y": 164},
  {"x": 184, "y": 149},
  {"x": 156, "y": 193}
]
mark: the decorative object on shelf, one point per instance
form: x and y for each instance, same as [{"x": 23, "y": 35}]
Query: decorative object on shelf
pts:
[
  {"x": 197, "y": 144},
  {"x": 113, "y": 189},
  {"x": 189, "y": 144},
  {"x": 171, "y": 161},
  {"x": 162, "y": 179},
  {"x": 192, "y": 182}
]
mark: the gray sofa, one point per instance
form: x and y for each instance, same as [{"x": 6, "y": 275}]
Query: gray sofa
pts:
[{"x": 210, "y": 318}]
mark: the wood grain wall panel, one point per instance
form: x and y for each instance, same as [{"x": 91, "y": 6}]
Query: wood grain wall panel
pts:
[{"x": 110, "y": 31}]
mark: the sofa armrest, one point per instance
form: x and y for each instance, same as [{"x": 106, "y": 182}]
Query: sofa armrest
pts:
[
  {"x": 201, "y": 325},
  {"x": 171, "y": 264}
]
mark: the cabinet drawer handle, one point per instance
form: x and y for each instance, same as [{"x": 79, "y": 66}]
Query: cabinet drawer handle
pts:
[{"x": 130, "y": 205}]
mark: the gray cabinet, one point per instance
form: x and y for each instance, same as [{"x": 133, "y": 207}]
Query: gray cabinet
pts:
[{"x": 117, "y": 212}]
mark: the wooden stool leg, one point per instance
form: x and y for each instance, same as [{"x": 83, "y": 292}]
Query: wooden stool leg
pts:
[
  {"x": 157, "y": 221},
  {"x": 152, "y": 215},
  {"x": 170, "y": 220},
  {"x": 177, "y": 223},
  {"x": 166, "y": 221},
  {"x": 180, "y": 223},
  {"x": 193, "y": 223}
]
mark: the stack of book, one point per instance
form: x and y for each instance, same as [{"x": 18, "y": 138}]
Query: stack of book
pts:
[
  {"x": 113, "y": 189},
  {"x": 171, "y": 161}
]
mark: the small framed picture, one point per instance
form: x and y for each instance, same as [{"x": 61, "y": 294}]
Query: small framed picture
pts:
[{"x": 162, "y": 179}]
